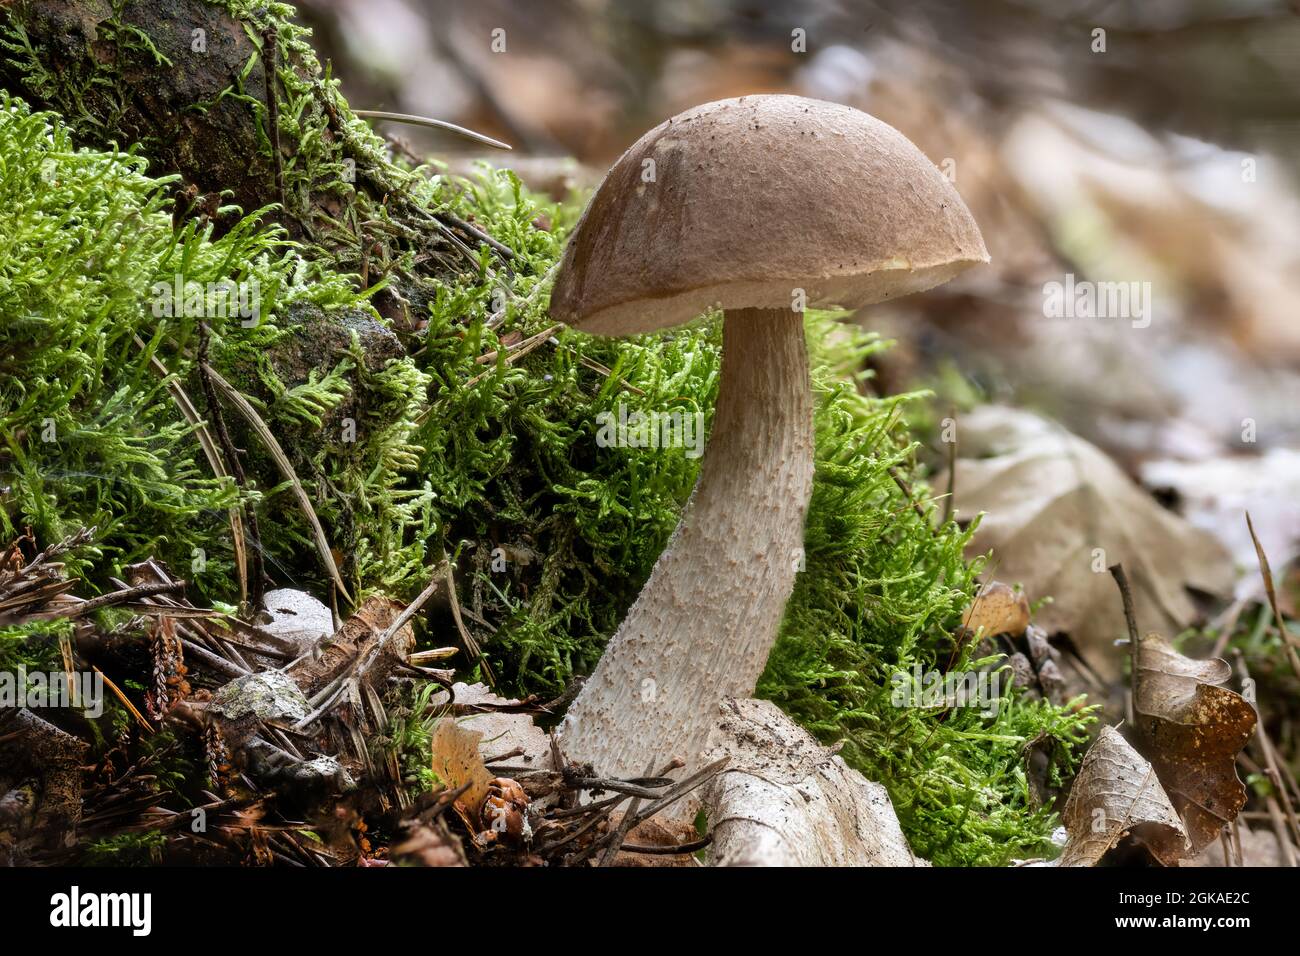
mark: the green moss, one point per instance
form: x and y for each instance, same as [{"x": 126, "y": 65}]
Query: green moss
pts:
[
  {"x": 90, "y": 434},
  {"x": 34, "y": 646},
  {"x": 126, "y": 849}
]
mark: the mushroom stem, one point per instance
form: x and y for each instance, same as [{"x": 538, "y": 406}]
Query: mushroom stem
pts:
[{"x": 703, "y": 625}]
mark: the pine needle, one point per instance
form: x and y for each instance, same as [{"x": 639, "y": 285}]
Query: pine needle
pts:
[{"x": 242, "y": 405}]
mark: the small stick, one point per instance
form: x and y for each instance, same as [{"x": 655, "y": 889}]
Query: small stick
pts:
[
  {"x": 271, "y": 56},
  {"x": 526, "y": 347},
  {"x": 952, "y": 472},
  {"x": 624, "y": 827},
  {"x": 682, "y": 789},
  {"x": 420, "y": 658},
  {"x": 215, "y": 661},
  {"x": 505, "y": 251},
  {"x": 1130, "y": 618},
  {"x": 487, "y": 358},
  {"x": 1274, "y": 814},
  {"x": 516, "y": 752},
  {"x": 692, "y": 847},
  {"x": 617, "y": 786},
  {"x": 108, "y": 600},
  {"x": 268, "y": 439},
  {"x": 409, "y": 611},
  {"x": 1288, "y": 641},
  {"x": 1276, "y": 768},
  {"x": 466, "y": 637},
  {"x": 1226, "y": 623},
  {"x": 1236, "y": 843},
  {"x": 126, "y": 702},
  {"x": 587, "y": 808}
]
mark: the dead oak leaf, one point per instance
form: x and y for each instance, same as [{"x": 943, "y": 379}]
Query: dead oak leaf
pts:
[
  {"x": 1058, "y": 511},
  {"x": 456, "y": 763},
  {"x": 998, "y": 609},
  {"x": 1191, "y": 729},
  {"x": 1117, "y": 793}
]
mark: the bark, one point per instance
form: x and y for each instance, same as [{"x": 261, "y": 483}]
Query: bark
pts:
[
  {"x": 215, "y": 148},
  {"x": 785, "y": 800},
  {"x": 40, "y": 784},
  {"x": 134, "y": 77}
]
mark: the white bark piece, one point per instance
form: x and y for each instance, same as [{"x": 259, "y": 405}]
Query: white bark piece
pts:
[
  {"x": 298, "y": 617},
  {"x": 785, "y": 800}
]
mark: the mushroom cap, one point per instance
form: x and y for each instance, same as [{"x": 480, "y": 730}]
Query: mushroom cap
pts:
[{"x": 752, "y": 198}]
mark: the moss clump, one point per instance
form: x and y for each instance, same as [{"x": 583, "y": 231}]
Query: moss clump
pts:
[
  {"x": 91, "y": 435},
  {"x": 479, "y": 444},
  {"x": 33, "y": 646},
  {"x": 127, "y": 849}
]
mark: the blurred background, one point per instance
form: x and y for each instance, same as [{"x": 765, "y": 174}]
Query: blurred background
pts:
[{"x": 1154, "y": 142}]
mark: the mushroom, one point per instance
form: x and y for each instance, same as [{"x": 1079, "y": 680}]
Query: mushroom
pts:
[{"x": 758, "y": 205}]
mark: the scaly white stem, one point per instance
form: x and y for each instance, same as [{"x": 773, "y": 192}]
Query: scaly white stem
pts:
[{"x": 703, "y": 625}]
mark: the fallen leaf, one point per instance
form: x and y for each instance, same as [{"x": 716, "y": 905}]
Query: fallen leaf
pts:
[
  {"x": 998, "y": 609},
  {"x": 1192, "y": 729},
  {"x": 1059, "y": 512},
  {"x": 1117, "y": 793},
  {"x": 1214, "y": 494},
  {"x": 502, "y": 732},
  {"x": 457, "y": 762}
]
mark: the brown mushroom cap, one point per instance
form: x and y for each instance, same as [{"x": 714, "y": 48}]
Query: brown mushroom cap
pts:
[{"x": 751, "y": 199}]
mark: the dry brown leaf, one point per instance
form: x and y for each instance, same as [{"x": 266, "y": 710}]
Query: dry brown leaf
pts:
[
  {"x": 1059, "y": 512},
  {"x": 1117, "y": 793},
  {"x": 456, "y": 762},
  {"x": 502, "y": 731},
  {"x": 664, "y": 834},
  {"x": 1192, "y": 730},
  {"x": 998, "y": 609}
]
